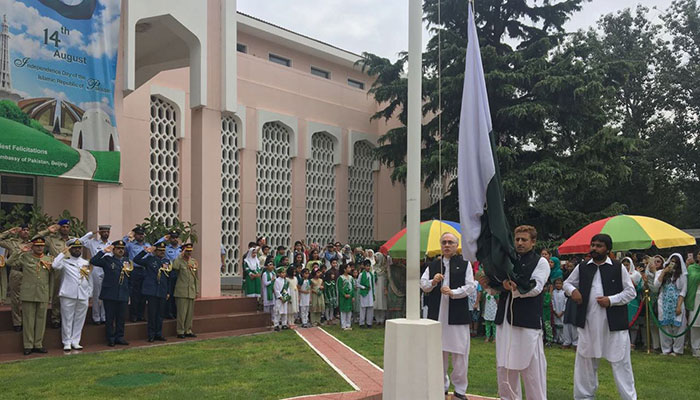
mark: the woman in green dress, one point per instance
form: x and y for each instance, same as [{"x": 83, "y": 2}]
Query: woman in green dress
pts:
[
  {"x": 252, "y": 273},
  {"x": 346, "y": 291}
]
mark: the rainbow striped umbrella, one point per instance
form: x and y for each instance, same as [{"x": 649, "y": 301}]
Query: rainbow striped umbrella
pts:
[
  {"x": 430, "y": 232},
  {"x": 628, "y": 232}
]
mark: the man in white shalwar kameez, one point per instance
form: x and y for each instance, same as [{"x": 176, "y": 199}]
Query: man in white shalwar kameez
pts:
[
  {"x": 455, "y": 277},
  {"x": 519, "y": 344},
  {"x": 602, "y": 288}
]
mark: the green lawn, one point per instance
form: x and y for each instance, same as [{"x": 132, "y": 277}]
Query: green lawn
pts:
[
  {"x": 656, "y": 376},
  {"x": 267, "y": 366}
]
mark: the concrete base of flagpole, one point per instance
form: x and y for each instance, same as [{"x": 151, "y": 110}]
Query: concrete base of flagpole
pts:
[{"x": 413, "y": 360}]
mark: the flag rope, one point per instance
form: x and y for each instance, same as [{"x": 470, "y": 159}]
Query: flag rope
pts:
[{"x": 440, "y": 188}]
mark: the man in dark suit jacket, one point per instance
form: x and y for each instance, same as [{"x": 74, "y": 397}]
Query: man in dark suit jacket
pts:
[
  {"x": 155, "y": 287},
  {"x": 115, "y": 289}
]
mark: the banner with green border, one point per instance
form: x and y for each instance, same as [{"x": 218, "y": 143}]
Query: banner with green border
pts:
[{"x": 58, "y": 61}]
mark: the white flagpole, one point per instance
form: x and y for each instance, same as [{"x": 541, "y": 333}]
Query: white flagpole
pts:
[
  {"x": 413, "y": 346},
  {"x": 413, "y": 178}
]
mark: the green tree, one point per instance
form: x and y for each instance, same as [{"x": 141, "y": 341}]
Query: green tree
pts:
[{"x": 558, "y": 156}]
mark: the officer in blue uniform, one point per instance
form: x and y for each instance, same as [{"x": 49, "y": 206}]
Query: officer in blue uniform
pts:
[
  {"x": 155, "y": 287},
  {"x": 115, "y": 289},
  {"x": 135, "y": 243},
  {"x": 172, "y": 251}
]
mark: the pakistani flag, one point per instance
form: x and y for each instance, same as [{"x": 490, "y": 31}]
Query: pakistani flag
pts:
[{"x": 486, "y": 236}]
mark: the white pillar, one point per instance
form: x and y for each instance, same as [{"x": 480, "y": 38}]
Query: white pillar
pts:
[{"x": 413, "y": 346}]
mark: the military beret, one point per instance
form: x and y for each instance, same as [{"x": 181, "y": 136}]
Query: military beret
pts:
[
  {"x": 64, "y": 222},
  {"x": 38, "y": 241},
  {"x": 118, "y": 244},
  {"x": 139, "y": 230},
  {"x": 160, "y": 246},
  {"x": 74, "y": 243},
  {"x": 24, "y": 226},
  {"x": 174, "y": 233}
]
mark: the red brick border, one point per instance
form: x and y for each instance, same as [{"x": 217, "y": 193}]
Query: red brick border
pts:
[{"x": 363, "y": 375}]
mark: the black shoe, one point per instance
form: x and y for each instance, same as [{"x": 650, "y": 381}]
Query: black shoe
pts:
[
  {"x": 160, "y": 339},
  {"x": 18, "y": 328},
  {"x": 150, "y": 340},
  {"x": 55, "y": 325},
  {"x": 41, "y": 350},
  {"x": 27, "y": 352},
  {"x": 190, "y": 335},
  {"x": 141, "y": 319},
  {"x": 285, "y": 327},
  {"x": 459, "y": 396},
  {"x": 180, "y": 336},
  {"x": 101, "y": 323},
  {"x": 121, "y": 342},
  {"x": 132, "y": 319},
  {"x": 110, "y": 343},
  {"x": 277, "y": 329}
]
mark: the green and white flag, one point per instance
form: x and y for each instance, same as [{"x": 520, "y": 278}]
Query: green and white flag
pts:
[{"x": 486, "y": 236}]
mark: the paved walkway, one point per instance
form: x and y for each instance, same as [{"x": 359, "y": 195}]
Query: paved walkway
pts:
[{"x": 362, "y": 374}]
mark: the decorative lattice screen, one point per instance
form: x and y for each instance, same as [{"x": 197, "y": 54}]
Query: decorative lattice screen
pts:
[
  {"x": 361, "y": 195},
  {"x": 435, "y": 192},
  {"x": 320, "y": 190},
  {"x": 165, "y": 161},
  {"x": 274, "y": 185},
  {"x": 230, "y": 195}
]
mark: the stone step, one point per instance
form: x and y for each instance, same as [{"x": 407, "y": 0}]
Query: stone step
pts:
[
  {"x": 202, "y": 306},
  {"x": 11, "y": 341}
]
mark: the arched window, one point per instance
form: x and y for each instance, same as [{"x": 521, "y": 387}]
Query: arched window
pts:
[
  {"x": 320, "y": 190},
  {"x": 274, "y": 185},
  {"x": 361, "y": 195},
  {"x": 165, "y": 161},
  {"x": 230, "y": 195}
]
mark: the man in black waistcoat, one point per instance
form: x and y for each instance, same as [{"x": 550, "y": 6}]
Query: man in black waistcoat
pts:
[
  {"x": 602, "y": 288},
  {"x": 115, "y": 289},
  {"x": 455, "y": 278},
  {"x": 519, "y": 345}
]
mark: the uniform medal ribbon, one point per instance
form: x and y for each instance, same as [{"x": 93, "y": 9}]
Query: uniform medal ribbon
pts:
[
  {"x": 127, "y": 267},
  {"x": 85, "y": 271}
]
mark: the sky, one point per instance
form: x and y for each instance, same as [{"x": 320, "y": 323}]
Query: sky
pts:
[{"x": 381, "y": 27}]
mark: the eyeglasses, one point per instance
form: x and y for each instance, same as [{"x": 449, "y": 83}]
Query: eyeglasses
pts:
[{"x": 446, "y": 242}]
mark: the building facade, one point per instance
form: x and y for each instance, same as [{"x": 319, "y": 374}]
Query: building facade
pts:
[{"x": 240, "y": 126}]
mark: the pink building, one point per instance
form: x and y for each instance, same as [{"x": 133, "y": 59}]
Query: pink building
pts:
[{"x": 240, "y": 126}]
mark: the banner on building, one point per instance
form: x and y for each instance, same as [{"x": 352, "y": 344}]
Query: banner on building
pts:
[{"x": 58, "y": 62}]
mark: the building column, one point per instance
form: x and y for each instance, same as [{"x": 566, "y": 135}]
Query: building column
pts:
[
  {"x": 206, "y": 197},
  {"x": 104, "y": 205}
]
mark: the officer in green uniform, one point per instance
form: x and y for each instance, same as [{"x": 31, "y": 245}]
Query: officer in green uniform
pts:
[
  {"x": 185, "y": 290},
  {"x": 13, "y": 240},
  {"x": 35, "y": 267},
  {"x": 56, "y": 237}
]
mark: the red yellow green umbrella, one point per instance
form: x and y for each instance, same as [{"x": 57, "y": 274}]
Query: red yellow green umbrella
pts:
[
  {"x": 628, "y": 232},
  {"x": 430, "y": 232}
]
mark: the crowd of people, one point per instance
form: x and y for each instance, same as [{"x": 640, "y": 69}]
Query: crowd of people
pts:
[
  {"x": 123, "y": 278},
  {"x": 309, "y": 285},
  {"x": 594, "y": 304}
]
